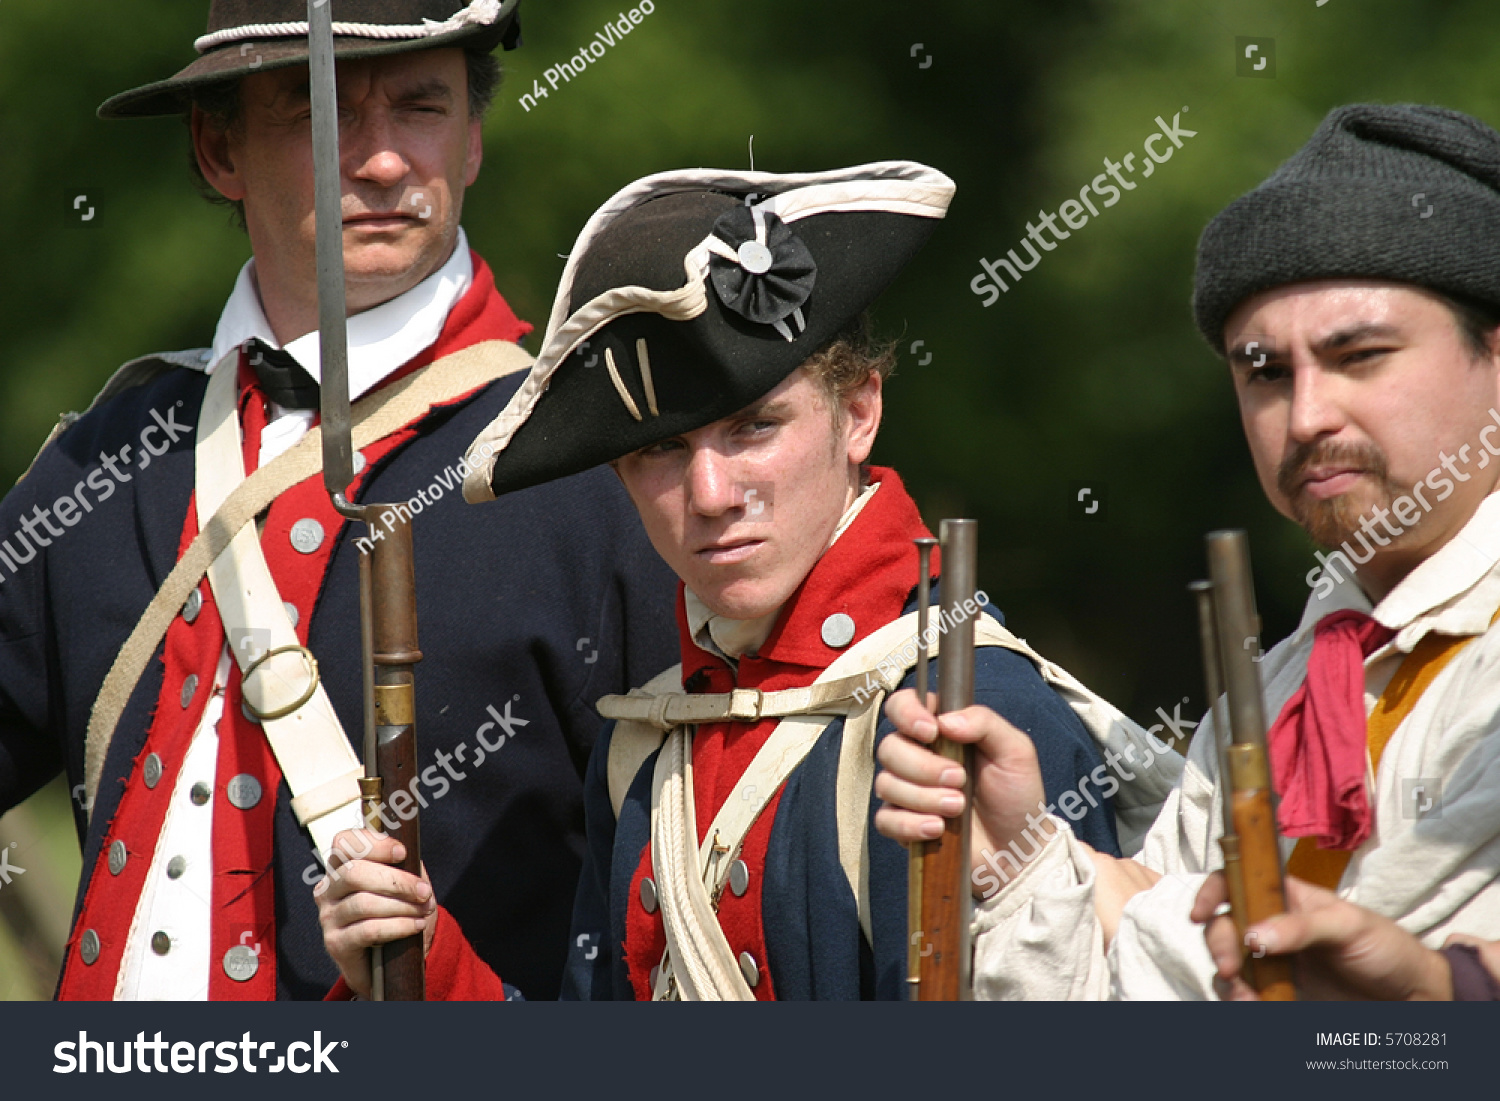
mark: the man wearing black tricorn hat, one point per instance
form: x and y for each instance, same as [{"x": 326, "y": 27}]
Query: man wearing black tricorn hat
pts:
[
  {"x": 708, "y": 343},
  {"x": 216, "y": 757}
]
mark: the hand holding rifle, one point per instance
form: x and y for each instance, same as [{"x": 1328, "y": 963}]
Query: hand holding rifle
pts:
[{"x": 367, "y": 900}]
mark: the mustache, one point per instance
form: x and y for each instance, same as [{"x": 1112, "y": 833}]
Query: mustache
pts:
[{"x": 1362, "y": 456}]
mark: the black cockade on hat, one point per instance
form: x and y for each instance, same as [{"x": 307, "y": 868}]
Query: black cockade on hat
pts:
[{"x": 766, "y": 273}]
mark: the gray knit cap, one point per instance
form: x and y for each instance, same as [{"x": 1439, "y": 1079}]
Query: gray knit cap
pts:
[{"x": 1408, "y": 193}]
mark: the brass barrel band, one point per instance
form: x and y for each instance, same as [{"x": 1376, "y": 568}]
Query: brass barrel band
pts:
[
  {"x": 395, "y": 705},
  {"x": 1248, "y": 769}
]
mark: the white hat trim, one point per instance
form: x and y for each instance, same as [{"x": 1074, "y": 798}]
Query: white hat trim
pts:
[
  {"x": 478, "y": 13},
  {"x": 897, "y": 187}
]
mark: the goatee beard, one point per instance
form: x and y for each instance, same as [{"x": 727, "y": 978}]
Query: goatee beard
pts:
[{"x": 1331, "y": 521}]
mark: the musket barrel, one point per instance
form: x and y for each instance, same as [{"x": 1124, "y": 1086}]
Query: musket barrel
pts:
[
  {"x": 1247, "y": 783},
  {"x": 1213, "y": 679},
  {"x": 371, "y": 796},
  {"x": 914, "y": 853},
  {"x": 947, "y": 901},
  {"x": 1239, "y": 634}
]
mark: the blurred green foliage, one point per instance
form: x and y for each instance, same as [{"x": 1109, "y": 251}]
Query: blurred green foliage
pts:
[{"x": 1088, "y": 372}]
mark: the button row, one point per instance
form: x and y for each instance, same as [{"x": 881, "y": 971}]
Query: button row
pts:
[{"x": 240, "y": 962}]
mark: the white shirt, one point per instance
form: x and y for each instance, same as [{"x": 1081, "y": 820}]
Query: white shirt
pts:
[
  {"x": 1434, "y": 873},
  {"x": 381, "y": 340}
]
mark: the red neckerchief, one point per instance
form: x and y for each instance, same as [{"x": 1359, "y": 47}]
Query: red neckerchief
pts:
[
  {"x": 868, "y": 574},
  {"x": 244, "y": 897},
  {"x": 1318, "y": 744}
]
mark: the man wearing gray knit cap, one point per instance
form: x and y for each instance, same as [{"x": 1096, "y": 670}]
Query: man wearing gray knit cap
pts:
[{"x": 1356, "y": 297}]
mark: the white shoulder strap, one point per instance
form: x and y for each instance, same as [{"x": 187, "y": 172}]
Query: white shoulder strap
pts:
[
  {"x": 308, "y": 741},
  {"x": 630, "y": 743},
  {"x": 866, "y": 673},
  {"x": 376, "y": 415},
  {"x": 699, "y": 964}
]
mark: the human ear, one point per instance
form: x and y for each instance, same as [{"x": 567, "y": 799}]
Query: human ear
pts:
[
  {"x": 862, "y": 411},
  {"x": 215, "y": 154}
]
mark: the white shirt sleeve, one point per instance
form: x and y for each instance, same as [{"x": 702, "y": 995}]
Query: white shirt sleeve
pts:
[{"x": 1038, "y": 938}]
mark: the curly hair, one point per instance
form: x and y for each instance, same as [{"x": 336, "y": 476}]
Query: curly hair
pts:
[
  {"x": 220, "y": 105},
  {"x": 841, "y": 366}
]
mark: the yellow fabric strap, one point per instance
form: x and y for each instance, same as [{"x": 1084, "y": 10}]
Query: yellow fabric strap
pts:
[{"x": 1428, "y": 658}]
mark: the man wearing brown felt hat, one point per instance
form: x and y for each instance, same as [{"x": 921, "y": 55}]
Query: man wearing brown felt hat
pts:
[{"x": 204, "y": 802}]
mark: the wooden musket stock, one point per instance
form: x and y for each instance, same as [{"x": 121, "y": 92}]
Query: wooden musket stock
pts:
[{"x": 394, "y": 630}]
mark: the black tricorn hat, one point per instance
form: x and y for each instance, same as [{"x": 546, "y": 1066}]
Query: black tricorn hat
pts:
[
  {"x": 252, "y": 36},
  {"x": 688, "y": 296}
]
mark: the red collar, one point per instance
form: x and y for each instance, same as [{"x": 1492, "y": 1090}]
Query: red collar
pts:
[
  {"x": 868, "y": 575},
  {"x": 481, "y": 314}
]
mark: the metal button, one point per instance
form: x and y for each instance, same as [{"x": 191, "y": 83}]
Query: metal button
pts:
[
  {"x": 245, "y": 711},
  {"x": 243, "y": 791},
  {"x": 200, "y": 793},
  {"x": 749, "y": 968},
  {"x": 739, "y": 877},
  {"x": 755, "y": 257},
  {"x": 176, "y": 866},
  {"x": 648, "y": 895},
  {"x": 307, "y": 535},
  {"x": 241, "y": 963},
  {"x": 193, "y": 606},
  {"x": 359, "y": 462},
  {"x": 117, "y": 857},
  {"x": 291, "y": 612},
  {"x": 161, "y": 944},
  {"x": 88, "y": 946},
  {"x": 838, "y": 630},
  {"x": 189, "y": 688},
  {"x": 151, "y": 770}
]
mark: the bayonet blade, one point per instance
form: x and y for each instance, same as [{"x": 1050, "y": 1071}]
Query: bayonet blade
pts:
[{"x": 328, "y": 208}]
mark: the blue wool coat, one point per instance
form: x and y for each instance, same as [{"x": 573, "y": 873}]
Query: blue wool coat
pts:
[
  {"x": 815, "y": 947},
  {"x": 552, "y": 595}
]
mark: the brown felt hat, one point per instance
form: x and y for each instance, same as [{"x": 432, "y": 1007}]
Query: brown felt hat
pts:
[{"x": 250, "y": 36}]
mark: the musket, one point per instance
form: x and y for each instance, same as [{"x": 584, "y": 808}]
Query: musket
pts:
[
  {"x": 939, "y": 949},
  {"x": 1229, "y": 629},
  {"x": 387, "y": 578},
  {"x": 914, "y": 850}
]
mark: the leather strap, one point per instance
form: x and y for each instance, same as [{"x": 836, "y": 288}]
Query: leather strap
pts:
[
  {"x": 668, "y": 710},
  {"x": 309, "y": 742},
  {"x": 374, "y": 416},
  {"x": 689, "y": 902},
  {"x": 630, "y": 743},
  {"x": 699, "y": 965}
]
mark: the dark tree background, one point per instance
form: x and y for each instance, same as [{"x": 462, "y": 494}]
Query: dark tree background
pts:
[{"x": 1087, "y": 374}]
